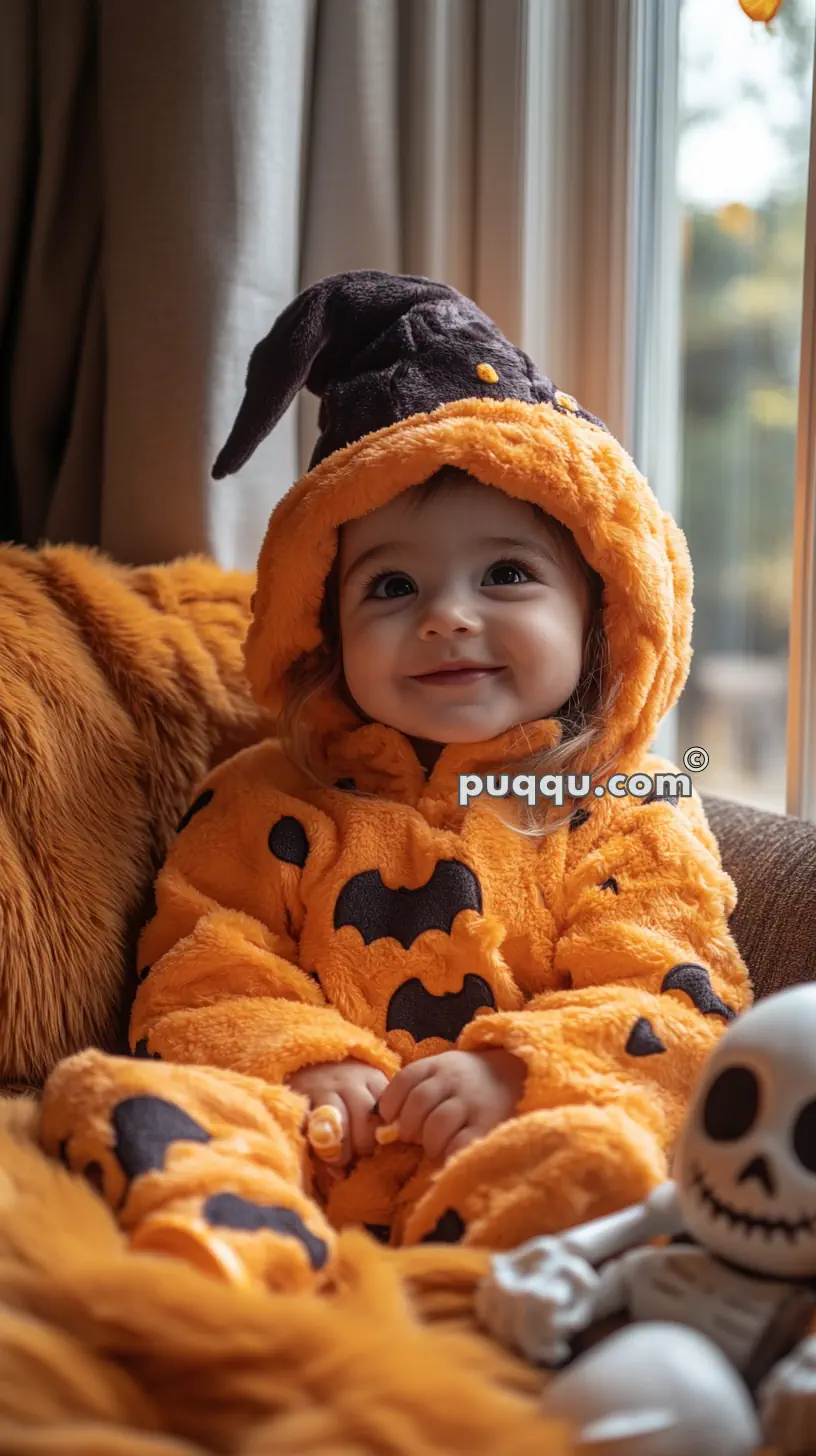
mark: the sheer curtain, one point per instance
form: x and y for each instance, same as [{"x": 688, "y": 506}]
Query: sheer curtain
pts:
[{"x": 172, "y": 173}]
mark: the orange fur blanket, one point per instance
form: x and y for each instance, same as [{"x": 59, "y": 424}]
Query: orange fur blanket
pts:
[
  {"x": 104, "y": 1352},
  {"x": 120, "y": 688}
]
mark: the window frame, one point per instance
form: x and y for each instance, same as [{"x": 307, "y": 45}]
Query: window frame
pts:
[{"x": 800, "y": 761}]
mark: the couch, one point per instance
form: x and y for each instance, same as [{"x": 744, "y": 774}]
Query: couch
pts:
[{"x": 772, "y": 861}]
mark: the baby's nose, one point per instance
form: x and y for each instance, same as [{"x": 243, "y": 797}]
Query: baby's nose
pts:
[
  {"x": 449, "y": 623},
  {"x": 450, "y": 612},
  {"x": 452, "y": 609}
]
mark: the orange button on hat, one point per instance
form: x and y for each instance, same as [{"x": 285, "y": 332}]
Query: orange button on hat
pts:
[{"x": 566, "y": 401}]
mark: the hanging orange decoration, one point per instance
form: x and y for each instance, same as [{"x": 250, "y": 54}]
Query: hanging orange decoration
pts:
[{"x": 761, "y": 9}]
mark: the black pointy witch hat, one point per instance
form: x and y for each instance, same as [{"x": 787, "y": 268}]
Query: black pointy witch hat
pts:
[{"x": 378, "y": 348}]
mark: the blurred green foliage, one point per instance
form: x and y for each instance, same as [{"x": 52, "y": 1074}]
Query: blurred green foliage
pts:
[{"x": 741, "y": 323}]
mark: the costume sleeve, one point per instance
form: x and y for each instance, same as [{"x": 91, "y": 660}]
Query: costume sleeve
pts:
[
  {"x": 650, "y": 972},
  {"x": 220, "y": 981}
]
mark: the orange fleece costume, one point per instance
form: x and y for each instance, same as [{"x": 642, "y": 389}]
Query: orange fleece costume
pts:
[{"x": 299, "y": 922}]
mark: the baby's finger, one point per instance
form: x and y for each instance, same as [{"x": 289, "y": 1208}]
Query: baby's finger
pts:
[
  {"x": 419, "y": 1104},
  {"x": 376, "y": 1082},
  {"x": 459, "y": 1142},
  {"x": 363, "y": 1122},
  {"x": 442, "y": 1125},
  {"x": 392, "y": 1098},
  {"x": 328, "y": 1131}
]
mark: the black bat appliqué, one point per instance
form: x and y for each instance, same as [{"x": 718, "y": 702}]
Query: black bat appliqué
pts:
[
  {"x": 402, "y": 915},
  {"x": 145, "y": 1127},
  {"x": 696, "y": 982},
  {"x": 421, "y": 1014}
]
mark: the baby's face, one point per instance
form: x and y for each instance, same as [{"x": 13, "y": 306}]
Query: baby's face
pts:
[{"x": 459, "y": 616}]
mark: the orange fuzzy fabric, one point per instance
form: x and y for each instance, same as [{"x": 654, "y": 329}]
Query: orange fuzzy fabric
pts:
[
  {"x": 107, "y": 1352},
  {"x": 120, "y": 688},
  {"x": 298, "y": 923}
]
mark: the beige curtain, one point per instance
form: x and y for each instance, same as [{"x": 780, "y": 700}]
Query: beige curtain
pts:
[
  {"x": 150, "y": 171},
  {"x": 390, "y": 178},
  {"x": 171, "y": 173}
]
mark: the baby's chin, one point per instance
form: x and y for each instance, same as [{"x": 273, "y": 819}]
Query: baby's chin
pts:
[
  {"x": 461, "y": 722},
  {"x": 457, "y": 728}
]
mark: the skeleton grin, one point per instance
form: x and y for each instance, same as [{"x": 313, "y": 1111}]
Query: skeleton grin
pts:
[{"x": 748, "y": 1221}]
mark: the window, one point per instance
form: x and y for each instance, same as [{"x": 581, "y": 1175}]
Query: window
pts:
[{"x": 742, "y": 172}]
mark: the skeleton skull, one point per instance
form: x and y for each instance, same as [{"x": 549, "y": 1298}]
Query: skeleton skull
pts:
[{"x": 745, "y": 1162}]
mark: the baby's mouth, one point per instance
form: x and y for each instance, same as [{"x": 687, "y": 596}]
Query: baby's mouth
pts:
[{"x": 455, "y": 675}]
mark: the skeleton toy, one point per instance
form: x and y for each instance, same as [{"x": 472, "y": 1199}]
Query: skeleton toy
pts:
[{"x": 717, "y": 1358}]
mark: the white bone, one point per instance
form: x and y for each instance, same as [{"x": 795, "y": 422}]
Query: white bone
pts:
[
  {"x": 539, "y": 1297},
  {"x": 670, "y": 1378},
  {"x": 605, "y": 1238}
]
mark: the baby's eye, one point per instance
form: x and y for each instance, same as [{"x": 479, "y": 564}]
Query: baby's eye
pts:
[
  {"x": 390, "y": 584},
  {"x": 507, "y": 573}
]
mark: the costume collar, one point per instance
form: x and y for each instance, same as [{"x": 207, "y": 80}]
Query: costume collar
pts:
[{"x": 383, "y": 761}]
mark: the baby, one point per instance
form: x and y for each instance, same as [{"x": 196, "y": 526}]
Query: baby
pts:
[
  {"x": 457, "y": 613},
  {"x": 391, "y": 911}
]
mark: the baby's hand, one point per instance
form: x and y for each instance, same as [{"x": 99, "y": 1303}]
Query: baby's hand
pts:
[
  {"x": 352, "y": 1088},
  {"x": 447, "y": 1101}
]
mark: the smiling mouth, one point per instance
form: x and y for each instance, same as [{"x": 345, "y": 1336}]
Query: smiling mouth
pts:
[
  {"x": 449, "y": 676},
  {"x": 748, "y": 1221}
]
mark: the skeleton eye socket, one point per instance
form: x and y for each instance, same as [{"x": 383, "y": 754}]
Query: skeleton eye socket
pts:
[
  {"x": 804, "y": 1137},
  {"x": 732, "y": 1104}
]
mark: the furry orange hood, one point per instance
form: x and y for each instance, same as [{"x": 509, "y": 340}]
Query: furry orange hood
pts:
[{"x": 412, "y": 376}]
